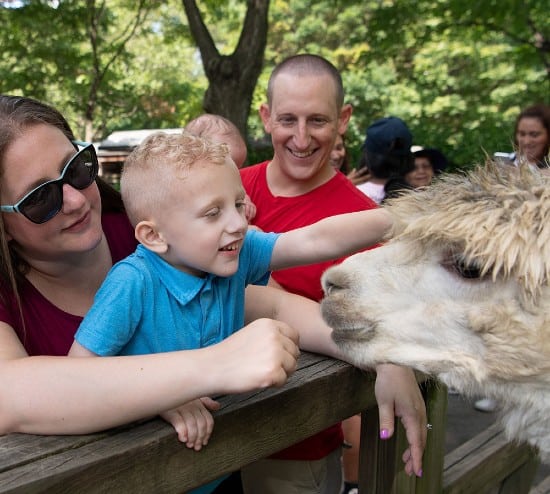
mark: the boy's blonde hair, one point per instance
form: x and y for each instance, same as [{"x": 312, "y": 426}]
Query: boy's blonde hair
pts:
[{"x": 150, "y": 170}]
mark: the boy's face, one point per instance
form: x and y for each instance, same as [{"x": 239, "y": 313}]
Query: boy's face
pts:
[
  {"x": 204, "y": 223},
  {"x": 304, "y": 120}
]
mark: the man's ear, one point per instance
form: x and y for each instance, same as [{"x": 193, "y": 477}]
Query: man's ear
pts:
[
  {"x": 149, "y": 236},
  {"x": 343, "y": 120},
  {"x": 265, "y": 115}
]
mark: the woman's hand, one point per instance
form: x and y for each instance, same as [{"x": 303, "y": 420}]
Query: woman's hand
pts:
[
  {"x": 358, "y": 176},
  {"x": 398, "y": 395}
]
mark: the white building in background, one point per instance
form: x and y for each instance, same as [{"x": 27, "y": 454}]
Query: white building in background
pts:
[{"x": 113, "y": 150}]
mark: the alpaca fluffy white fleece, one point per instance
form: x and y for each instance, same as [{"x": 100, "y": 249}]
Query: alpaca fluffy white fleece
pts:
[{"x": 460, "y": 292}]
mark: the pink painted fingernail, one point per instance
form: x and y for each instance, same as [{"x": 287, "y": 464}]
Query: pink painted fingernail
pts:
[
  {"x": 384, "y": 434},
  {"x": 419, "y": 474}
]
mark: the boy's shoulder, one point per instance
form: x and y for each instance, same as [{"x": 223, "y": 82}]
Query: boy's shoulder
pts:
[{"x": 137, "y": 263}]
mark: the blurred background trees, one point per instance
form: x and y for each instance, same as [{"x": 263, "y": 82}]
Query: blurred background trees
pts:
[{"x": 456, "y": 71}]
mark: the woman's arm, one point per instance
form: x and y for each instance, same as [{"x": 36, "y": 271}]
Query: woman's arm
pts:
[
  {"x": 64, "y": 395},
  {"x": 298, "y": 312},
  {"x": 397, "y": 391}
]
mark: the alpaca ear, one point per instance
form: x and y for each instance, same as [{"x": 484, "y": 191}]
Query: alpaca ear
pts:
[{"x": 149, "y": 236}]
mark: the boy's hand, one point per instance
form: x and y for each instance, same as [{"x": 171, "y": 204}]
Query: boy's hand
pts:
[
  {"x": 260, "y": 355},
  {"x": 193, "y": 422}
]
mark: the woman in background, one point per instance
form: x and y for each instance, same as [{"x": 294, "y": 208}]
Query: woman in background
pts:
[
  {"x": 339, "y": 158},
  {"x": 532, "y": 135},
  {"x": 531, "y": 138},
  {"x": 428, "y": 162}
]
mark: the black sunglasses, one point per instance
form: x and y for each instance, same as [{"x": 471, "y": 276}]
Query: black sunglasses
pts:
[{"x": 45, "y": 201}]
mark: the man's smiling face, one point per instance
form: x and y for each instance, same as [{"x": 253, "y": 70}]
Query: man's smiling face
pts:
[{"x": 303, "y": 120}]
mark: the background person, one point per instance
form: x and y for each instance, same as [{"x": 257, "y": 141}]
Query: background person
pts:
[
  {"x": 428, "y": 162},
  {"x": 339, "y": 157},
  {"x": 531, "y": 138},
  {"x": 532, "y": 135},
  {"x": 386, "y": 153},
  {"x": 220, "y": 129}
]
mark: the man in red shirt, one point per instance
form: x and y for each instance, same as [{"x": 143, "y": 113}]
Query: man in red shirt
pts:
[{"x": 304, "y": 113}]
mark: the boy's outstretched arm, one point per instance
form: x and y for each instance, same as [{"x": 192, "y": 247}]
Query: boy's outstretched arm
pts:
[
  {"x": 331, "y": 238},
  {"x": 397, "y": 392}
]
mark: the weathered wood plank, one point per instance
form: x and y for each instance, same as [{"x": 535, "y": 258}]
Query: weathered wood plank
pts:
[
  {"x": 432, "y": 462},
  {"x": 147, "y": 457},
  {"x": 542, "y": 488},
  {"x": 381, "y": 468},
  {"x": 483, "y": 462}
]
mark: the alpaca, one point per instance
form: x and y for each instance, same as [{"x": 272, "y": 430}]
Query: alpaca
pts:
[{"x": 460, "y": 292}]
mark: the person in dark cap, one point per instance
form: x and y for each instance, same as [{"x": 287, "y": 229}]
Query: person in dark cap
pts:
[
  {"x": 428, "y": 162},
  {"x": 387, "y": 156}
]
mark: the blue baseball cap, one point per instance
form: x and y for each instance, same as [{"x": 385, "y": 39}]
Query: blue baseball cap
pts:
[{"x": 389, "y": 135}]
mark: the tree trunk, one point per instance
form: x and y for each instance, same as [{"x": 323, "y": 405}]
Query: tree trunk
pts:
[{"x": 232, "y": 78}]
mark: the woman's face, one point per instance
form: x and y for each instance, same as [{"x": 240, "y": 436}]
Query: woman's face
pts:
[
  {"x": 338, "y": 153},
  {"x": 39, "y": 154},
  {"x": 532, "y": 139},
  {"x": 422, "y": 174}
]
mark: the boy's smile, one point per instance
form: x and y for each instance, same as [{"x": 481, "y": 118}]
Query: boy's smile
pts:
[{"x": 233, "y": 247}]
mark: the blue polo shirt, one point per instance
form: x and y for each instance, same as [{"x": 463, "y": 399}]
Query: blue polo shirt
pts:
[{"x": 147, "y": 306}]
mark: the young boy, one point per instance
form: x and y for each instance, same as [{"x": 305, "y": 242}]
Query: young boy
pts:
[{"x": 184, "y": 286}]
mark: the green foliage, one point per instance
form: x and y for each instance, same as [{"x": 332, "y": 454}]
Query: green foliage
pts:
[{"x": 456, "y": 71}]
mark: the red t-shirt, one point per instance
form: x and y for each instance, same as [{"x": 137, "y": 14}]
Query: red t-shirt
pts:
[
  {"x": 48, "y": 329},
  {"x": 280, "y": 214}
]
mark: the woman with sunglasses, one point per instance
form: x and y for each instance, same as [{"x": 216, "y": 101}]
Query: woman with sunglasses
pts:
[{"x": 61, "y": 229}]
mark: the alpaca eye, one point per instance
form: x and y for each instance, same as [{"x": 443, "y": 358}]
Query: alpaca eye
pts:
[
  {"x": 468, "y": 271},
  {"x": 456, "y": 263}
]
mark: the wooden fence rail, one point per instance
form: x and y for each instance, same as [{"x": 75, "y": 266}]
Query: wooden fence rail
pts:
[{"x": 147, "y": 458}]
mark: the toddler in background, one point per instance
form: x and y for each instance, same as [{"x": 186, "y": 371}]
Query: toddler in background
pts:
[{"x": 220, "y": 129}]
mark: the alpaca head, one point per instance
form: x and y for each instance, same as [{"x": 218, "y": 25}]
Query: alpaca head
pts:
[{"x": 461, "y": 290}]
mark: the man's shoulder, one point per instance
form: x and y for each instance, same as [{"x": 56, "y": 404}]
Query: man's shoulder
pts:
[
  {"x": 254, "y": 179},
  {"x": 254, "y": 169}
]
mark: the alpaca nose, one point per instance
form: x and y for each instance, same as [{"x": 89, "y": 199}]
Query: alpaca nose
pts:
[
  {"x": 329, "y": 288},
  {"x": 332, "y": 282}
]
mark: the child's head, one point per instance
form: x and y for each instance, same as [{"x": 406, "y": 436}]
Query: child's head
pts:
[
  {"x": 185, "y": 198},
  {"x": 220, "y": 129},
  {"x": 387, "y": 148}
]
